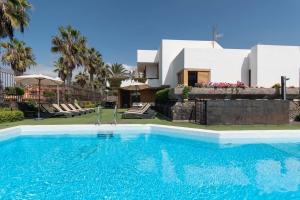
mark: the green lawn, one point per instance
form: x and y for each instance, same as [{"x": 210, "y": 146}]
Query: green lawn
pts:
[{"x": 107, "y": 118}]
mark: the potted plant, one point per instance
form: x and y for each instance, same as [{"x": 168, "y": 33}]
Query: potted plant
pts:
[
  {"x": 277, "y": 87},
  {"x": 185, "y": 93}
]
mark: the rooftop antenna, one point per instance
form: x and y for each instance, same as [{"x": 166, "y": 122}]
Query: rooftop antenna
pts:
[{"x": 216, "y": 35}]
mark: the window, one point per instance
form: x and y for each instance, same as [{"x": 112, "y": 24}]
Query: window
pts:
[
  {"x": 249, "y": 78},
  {"x": 192, "y": 78}
]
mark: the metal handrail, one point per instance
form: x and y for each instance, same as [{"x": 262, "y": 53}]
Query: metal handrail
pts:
[
  {"x": 98, "y": 115},
  {"x": 115, "y": 114}
]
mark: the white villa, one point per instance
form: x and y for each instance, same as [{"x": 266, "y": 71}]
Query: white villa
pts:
[{"x": 188, "y": 62}]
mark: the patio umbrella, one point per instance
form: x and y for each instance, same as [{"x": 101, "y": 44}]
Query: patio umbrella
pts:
[
  {"x": 134, "y": 86},
  {"x": 38, "y": 79}
]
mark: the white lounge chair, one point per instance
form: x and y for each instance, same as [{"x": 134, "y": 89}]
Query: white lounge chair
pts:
[
  {"x": 75, "y": 109},
  {"x": 59, "y": 109},
  {"x": 66, "y": 108},
  {"x": 88, "y": 109},
  {"x": 144, "y": 113}
]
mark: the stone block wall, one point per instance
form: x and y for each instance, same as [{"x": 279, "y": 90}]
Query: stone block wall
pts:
[
  {"x": 178, "y": 111},
  {"x": 213, "y": 112},
  {"x": 294, "y": 109},
  {"x": 247, "y": 112}
]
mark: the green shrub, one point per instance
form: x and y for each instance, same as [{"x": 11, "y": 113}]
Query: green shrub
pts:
[
  {"x": 48, "y": 94},
  {"x": 185, "y": 92},
  {"x": 14, "y": 91},
  {"x": 115, "y": 82},
  {"x": 88, "y": 104},
  {"x": 10, "y": 115},
  {"x": 276, "y": 86},
  {"x": 162, "y": 96},
  {"x": 32, "y": 103},
  {"x": 297, "y": 118}
]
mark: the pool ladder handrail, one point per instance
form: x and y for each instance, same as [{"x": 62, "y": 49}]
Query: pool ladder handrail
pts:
[
  {"x": 98, "y": 115},
  {"x": 115, "y": 113}
]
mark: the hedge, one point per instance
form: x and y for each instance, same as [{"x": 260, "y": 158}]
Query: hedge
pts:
[
  {"x": 297, "y": 118},
  {"x": 14, "y": 91},
  {"x": 88, "y": 104},
  {"x": 162, "y": 96},
  {"x": 10, "y": 116}
]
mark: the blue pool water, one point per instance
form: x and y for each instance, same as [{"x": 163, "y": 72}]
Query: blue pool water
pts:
[{"x": 145, "y": 167}]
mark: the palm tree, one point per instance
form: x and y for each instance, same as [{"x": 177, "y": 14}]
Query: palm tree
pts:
[
  {"x": 62, "y": 72},
  {"x": 18, "y": 56},
  {"x": 61, "y": 69},
  {"x": 117, "y": 71},
  {"x": 13, "y": 14},
  {"x": 103, "y": 73},
  {"x": 81, "y": 79},
  {"x": 92, "y": 62},
  {"x": 69, "y": 44}
]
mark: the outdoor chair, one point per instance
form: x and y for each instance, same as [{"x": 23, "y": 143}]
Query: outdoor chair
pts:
[
  {"x": 59, "y": 109},
  {"x": 66, "y": 108},
  {"x": 143, "y": 113},
  {"x": 75, "y": 109},
  {"x": 89, "y": 109},
  {"x": 47, "y": 111}
]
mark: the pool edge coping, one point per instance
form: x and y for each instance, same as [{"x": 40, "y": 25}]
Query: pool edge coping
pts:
[{"x": 215, "y": 136}]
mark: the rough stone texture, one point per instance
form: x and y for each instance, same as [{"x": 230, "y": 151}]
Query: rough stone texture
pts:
[
  {"x": 247, "y": 93},
  {"x": 294, "y": 109},
  {"x": 247, "y": 112},
  {"x": 178, "y": 111},
  {"x": 228, "y": 111}
]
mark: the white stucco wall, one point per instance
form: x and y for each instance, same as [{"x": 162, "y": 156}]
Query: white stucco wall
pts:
[
  {"x": 176, "y": 66},
  {"x": 253, "y": 65},
  {"x": 225, "y": 64},
  {"x": 147, "y": 56},
  {"x": 274, "y": 61},
  {"x": 170, "y": 49}
]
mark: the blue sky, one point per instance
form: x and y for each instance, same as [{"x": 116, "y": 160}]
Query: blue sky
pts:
[{"x": 117, "y": 28}]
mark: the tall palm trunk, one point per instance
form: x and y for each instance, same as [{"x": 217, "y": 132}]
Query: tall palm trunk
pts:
[
  {"x": 92, "y": 85},
  {"x": 63, "y": 91},
  {"x": 69, "y": 84}
]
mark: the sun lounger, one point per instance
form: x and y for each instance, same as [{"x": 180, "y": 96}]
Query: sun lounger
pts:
[
  {"x": 66, "y": 108},
  {"x": 48, "y": 112},
  {"x": 74, "y": 109},
  {"x": 137, "y": 106},
  {"x": 88, "y": 109},
  {"x": 144, "y": 113},
  {"x": 59, "y": 109}
]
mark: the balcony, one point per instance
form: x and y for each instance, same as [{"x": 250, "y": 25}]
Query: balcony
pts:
[{"x": 153, "y": 83}]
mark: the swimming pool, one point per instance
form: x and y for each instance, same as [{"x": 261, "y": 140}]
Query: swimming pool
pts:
[{"x": 144, "y": 164}]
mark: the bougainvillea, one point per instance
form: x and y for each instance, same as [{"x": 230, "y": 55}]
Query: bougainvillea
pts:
[{"x": 239, "y": 84}]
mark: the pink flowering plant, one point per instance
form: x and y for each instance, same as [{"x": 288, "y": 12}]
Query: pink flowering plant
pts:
[{"x": 224, "y": 85}]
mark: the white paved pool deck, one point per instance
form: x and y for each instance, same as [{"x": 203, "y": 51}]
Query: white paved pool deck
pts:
[{"x": 221, "y": 137}]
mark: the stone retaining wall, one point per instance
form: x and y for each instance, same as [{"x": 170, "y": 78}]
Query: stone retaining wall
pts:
[
  {"x": 294, "y": 109},
  {"x": 230, "y": 111},
  {"x": 178, "y": 111},
  {"x": 247, "y": 112}
]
